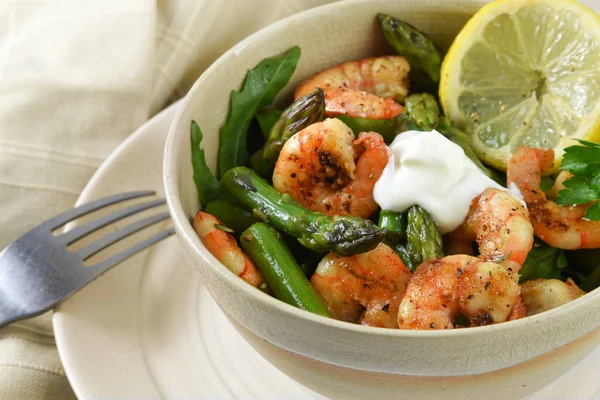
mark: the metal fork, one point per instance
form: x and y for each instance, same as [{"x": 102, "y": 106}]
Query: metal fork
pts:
[{"x": 38, "y": 272}]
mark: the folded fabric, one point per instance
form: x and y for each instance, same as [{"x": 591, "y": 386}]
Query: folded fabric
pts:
[{"x": 76, "y": 78}]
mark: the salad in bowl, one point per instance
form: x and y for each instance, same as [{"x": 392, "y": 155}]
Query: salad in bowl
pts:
[{"x": 423, "y": 177}]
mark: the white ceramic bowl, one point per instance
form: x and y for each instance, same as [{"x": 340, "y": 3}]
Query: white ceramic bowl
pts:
[{"x": 336, "y": 358}]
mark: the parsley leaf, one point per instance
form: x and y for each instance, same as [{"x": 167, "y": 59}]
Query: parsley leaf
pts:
[
  {"x": 593, "y": 212},
  {"x": 543, "y": 261},
  {"x": 261, "y": 86},
  {"x": 582, "y": 159},
  {"x": 578, "y": 192},
  {"x": 584, "y": 186}
]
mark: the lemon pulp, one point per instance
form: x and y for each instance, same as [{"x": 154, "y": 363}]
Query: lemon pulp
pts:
[{"x": 525, "y": 73}]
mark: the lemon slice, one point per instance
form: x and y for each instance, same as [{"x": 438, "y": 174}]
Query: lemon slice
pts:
[{"x": 525, "y": 73}]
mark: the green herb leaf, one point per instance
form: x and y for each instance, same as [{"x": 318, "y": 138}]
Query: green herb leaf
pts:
[
  {"x": 595, "y": 183},
  {"x": 267, "y": 118},
  {"x": 582, "y": 159},
  {"x": 546, "y": 183},
  {"x": 209, "y": 188},
  {"x": 583, "y": 261},
  {"x": 584, "y": 268},
  {"x": 578, "y": 191},
  {"x": 261, "y": 86},
  {"x": 591, "y": 281},
  {"x": 402, "y": 252},
  {"x": 584, "y": 186},
  {"x": 224, "y": 228},
  {"x": 543, "y": 261},
  {"x": 593, "y": 212}
]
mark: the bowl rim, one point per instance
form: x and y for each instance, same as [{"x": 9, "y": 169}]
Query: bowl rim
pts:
[{"x": 186, "y": 233}]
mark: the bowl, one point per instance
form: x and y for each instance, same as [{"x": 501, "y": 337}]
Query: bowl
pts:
[{"x": 339, "y": 359}]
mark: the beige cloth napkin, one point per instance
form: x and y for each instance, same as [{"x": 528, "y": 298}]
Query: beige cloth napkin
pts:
[{"x": 76, "y": 78}]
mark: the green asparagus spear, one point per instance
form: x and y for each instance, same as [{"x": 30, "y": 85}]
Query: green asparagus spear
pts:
[
  {"x": 418, "y": 48},
  {"x": 421, "y": 113},
  {"x": 463, "y": 140},
  {"x": 344, "y": 235},
  {"x": 385, "y": 127},
  {"x": 423, "y": 240},
  {"x": 300, "y": 114},
  {"x": 284, "y": 277},
  {"x": 231, "y": 214},
  {"x": 394, "y": 223}
]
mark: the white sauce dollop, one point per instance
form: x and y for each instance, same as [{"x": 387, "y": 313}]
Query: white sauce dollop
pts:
[{"x": 428, "y": 170}]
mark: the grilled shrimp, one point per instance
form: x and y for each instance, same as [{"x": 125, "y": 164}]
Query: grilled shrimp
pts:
[
  {"x": 326, "y": 169},
  {"x": 500, "y": 225},
  {"x": 368, "y": 88},
  {"x": 223, "y": 246},
  {"x": 365, "y": 288},
  {"x": 541, "y": 295},
  {"x": 442, "y": 289},
  {"x": 560, "y": 226}
]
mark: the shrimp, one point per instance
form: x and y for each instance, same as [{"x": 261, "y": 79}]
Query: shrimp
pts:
[
  {"x": 500, "y": 225},
  {"x": 223, "y": 246},
  {"x": 442, "y": 289},
  {"x": 562, "y": 227},
  {"x": 365, "y": 288},
  {"x": 368, "y": 88},
  {"x": 325, "y": 169},
  {"x": 541, "y": 295}
]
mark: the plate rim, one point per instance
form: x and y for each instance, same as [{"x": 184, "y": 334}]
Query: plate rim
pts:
[{"x": 60, "y": 334}]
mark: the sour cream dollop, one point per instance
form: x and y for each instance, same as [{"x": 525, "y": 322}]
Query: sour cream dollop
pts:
[{"x": 428, "y": 170}]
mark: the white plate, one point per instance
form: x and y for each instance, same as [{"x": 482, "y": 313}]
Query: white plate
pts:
[{"x": 149, "y": 329}]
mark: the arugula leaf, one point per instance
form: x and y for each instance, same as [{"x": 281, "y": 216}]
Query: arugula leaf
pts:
[
  {"x": 267, "y": 118},
  {"x": 584, "y": 186},
  {"x": 261, "y": 86},
  {"x": 543, "y": 261},
  {"x": 209, "y": 188}
]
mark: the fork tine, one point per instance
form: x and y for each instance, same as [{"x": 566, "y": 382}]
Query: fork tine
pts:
[
  {"x": 94, "y": 247},
  {"x": 74, "y": 234},
  {"x": 70, "y": 215},
  {"x": 102, "y": 266}
]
